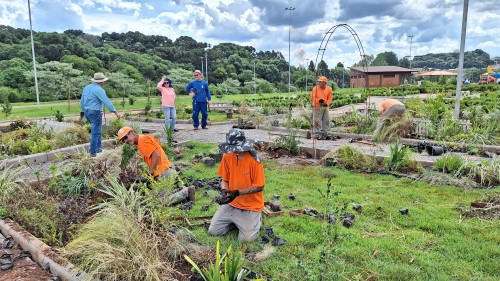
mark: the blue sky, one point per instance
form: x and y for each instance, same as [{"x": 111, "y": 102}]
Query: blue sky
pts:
[{"x": 382, "y": 25}]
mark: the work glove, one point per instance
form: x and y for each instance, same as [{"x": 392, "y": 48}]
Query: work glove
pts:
[
  {"x": 324, "y": 104},
  {"x": 321, "y": 101},
  {"x": 82, "y": 114},
  {"x": 225, "y": 199}
]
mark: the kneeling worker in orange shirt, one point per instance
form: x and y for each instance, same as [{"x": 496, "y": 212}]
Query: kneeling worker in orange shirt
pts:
[
  {"x": 159, "y": 166},
  {"x": 389, "y": 108},
  {"x": 242, "y": 197}
]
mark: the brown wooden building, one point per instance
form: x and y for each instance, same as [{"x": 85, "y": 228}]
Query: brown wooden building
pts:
[{"x": 379, "y": 76}]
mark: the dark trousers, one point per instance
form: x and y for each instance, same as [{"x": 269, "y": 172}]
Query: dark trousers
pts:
[{"x": 197, "y": 107}]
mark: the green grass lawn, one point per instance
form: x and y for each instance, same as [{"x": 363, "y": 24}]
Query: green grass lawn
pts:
[
  {"x": 46, "y": 110},
  {"x": 433, "y": 242}
]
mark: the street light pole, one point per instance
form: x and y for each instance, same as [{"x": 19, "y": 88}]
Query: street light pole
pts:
[
  {"x": 343, "y": 70},
  {"x": 206, "y": 62},
  {"x": 290, "y": 9},
  {"x": 307, "y": 70},
  {"x": 34, "y": 61},
  {"x": 202, "y": 69},
  {"x": 411, "y": 41}
]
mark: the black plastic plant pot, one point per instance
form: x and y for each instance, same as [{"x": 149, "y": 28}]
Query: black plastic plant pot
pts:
[
  {"x": 209, "y": 162},
  {"x": 330, "y": 162},
  {"x": 347, "y": 222},
  {"x": 358, "y": 208},
  {"x": 434, "y": 150}
]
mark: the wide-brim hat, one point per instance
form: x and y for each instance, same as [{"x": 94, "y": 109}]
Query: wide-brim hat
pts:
[
  {"x": 236, "y": 142},
  {"x": 99, "y": 77}
]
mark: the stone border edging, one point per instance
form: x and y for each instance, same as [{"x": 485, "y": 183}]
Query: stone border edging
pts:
[{"x": 50, "y": 155}]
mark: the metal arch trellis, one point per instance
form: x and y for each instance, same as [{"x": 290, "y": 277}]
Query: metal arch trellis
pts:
[{"x": 324, "y": 44}]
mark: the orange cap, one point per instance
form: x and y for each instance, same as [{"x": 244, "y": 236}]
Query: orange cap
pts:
[
  {"x": 123, "y": 132},
  {"x": 322, "y": 79}
]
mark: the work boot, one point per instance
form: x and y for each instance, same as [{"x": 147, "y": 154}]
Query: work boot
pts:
[{"x": 191, "y": 193}]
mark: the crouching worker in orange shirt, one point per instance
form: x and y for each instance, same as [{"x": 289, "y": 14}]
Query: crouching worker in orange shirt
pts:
[
  {"x": 159, "y": 166},
  {"x": 389, "y": 108},
  {"x": 242, "y": 197}
]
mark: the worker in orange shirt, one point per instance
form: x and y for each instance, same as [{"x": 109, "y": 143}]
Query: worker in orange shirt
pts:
[
  {"x": 242, "y": 185},
  {"x": 389, "y": 108},
  {"x": 153, "y": 154},
  {"x": 321, "y": 98}
]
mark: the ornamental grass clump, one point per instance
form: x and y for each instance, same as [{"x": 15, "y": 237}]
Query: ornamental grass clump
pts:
[
  {"x": 393, "y": 129},
  {"x": 351, "y": 158},
  {"x": 118, "y": 244},
  {"x": 450, "y": 164}
]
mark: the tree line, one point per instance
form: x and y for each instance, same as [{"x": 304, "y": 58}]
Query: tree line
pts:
[{"x": 135, "y": 62}]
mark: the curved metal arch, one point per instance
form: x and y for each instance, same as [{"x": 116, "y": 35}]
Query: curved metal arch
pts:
[{"x": 361, "y": 50}]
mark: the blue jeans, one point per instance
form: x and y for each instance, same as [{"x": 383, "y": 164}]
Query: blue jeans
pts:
[
  {"x": 169, "y": 112},
  {"x": 95, "y": 119},
  {"x": 197, "y": 107}
]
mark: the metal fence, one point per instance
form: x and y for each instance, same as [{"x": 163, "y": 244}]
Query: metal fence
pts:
[{"x": 423, "y": 127}]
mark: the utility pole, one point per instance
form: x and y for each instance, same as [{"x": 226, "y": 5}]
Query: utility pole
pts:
[
  {"x": 34, "y": 61},
  {"x": 290, "y": 9},
  {"x": 343, "y": 70},
  {"x": 456, "y": 113},
  {"x": 411, "y": 41},
  {"x": 307, "y": 70},
  {"x": 202, "y": 69},
  {"x": 254, "y": 83},
  {"x": 206, "y": 62}
]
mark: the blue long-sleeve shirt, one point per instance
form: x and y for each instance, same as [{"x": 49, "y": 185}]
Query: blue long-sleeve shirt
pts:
[
  {"x": 94, "y": 98},
  {"x": 201, "y": 90}
]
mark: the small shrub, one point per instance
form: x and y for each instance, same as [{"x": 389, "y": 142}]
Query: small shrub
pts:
[
  {"x": 169, "y": 134},
  {"x": 398, "y": 159},
  {"x": 131, "y": 100},
  {"x": 148, "y": 106},
  {"x": 6, "y": 108},
  {"x": 70, "y": 136},
  {"x": 227, "y": 266},
  {"x": 59, "y": 116},
  {"x": 449, "y": 163},
  {"x": 487, "y": 173}
]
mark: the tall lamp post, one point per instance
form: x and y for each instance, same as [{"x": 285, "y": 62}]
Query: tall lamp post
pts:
[
  {"x": 206, "y": 63},
  {"x": 343, "y": 70},
  {"x": 307, "y": 70},
  {"x": 202, "y": 69},
  {"x": 411, "y": 41},
  {"x": 254, "y": 82},
  {"x": 34, "y": 61},
  {"x": 290, "y": 9}
]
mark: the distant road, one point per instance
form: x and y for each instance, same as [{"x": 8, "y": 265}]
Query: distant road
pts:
[{"x": 65, "y": 103}]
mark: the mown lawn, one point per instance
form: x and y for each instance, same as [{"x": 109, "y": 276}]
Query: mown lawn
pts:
[
  {"x": 32, "y": 111},
  {"x": 433, "y": 242}
]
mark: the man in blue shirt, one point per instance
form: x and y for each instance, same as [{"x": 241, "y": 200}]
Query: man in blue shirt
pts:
[
  {"x": 93, "y": 100},
  {"x": 198, "y": 90}
]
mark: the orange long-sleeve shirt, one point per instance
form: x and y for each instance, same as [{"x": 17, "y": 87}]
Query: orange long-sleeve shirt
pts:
[{"x": 321, "y": 94}]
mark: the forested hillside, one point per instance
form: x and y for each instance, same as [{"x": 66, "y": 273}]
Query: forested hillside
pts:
[{"x": 135, "y": 62}]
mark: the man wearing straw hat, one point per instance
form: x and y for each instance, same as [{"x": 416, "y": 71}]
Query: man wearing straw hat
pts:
[
  {"x": 321, "y": 98},
  {"x": 93, "y": 100},
  {"x": 242, "y": 188}
]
